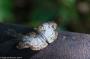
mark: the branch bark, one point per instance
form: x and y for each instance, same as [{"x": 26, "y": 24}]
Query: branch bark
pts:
[{"x": 69, "y": 45}]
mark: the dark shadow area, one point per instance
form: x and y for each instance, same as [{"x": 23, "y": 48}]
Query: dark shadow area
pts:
[{"x": 8, "y": 41}]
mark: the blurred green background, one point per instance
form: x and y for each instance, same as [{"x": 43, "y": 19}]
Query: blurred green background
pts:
[{"x": 71, "y": 15}]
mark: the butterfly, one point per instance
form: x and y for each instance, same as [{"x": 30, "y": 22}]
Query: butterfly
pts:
[{"x": 47, "y": 33}]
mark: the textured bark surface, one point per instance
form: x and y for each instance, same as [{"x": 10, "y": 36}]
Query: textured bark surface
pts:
[{"x": 69, "y": 45}]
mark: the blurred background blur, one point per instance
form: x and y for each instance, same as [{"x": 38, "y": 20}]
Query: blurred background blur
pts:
[{"x": 71, "y": 15}]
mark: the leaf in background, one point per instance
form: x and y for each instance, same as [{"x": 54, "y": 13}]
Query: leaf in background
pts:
[
  {"x": 67, "y": 11},
  {"x": 5, "y": 10}
]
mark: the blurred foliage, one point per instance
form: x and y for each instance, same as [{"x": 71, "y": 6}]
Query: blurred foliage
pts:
[
  {"x": 6, "y": 10},
  {"x": 71, "y": 15}
]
